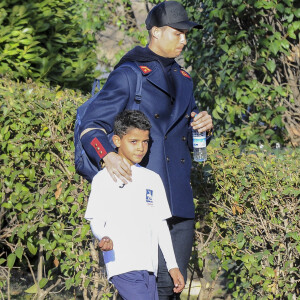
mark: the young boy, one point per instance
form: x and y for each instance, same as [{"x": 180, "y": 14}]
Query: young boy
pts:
[{"x": 130, "y": 220}]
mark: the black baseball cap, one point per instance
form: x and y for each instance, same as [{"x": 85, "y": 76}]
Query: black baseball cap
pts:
[{"x": 170, "y": 13}]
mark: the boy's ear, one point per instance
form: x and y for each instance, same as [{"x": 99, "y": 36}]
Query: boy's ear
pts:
[{"x": 117, "y": 140}]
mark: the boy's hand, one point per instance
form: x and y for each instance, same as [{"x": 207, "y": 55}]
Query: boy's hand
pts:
[
  {"x": 106, "y": 244},
  {"x": 177, "y": 279}
]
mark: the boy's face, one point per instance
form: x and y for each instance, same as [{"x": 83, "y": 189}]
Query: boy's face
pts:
[{"x": 133, "y": 146}]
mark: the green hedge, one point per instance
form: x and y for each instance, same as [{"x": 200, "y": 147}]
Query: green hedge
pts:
[
  {"x": 250, "y": 220},
  {"x": 247, "y": 205},
  {"x": 245, "y": 64},
  {"x": 49, "y": 41},
  {"x": 43, "y": 200}
]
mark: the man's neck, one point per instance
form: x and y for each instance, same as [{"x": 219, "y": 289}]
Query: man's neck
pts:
[
  {"x": 156, "y": 50},
  {"x": 166, "y": 61}
]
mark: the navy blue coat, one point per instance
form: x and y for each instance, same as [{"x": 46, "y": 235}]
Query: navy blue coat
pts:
[{"x": 170, "y": 135}]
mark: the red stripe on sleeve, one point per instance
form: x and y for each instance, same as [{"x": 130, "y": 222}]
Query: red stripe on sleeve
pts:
[{"x": 98, "y": 147}]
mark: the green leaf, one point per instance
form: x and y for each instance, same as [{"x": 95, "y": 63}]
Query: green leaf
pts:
[
  {"x": 31, "y": 248},
  {"x": 69, "y": 283},
  {"x": 200, "y": 263},
  {"x": 214, "y": 274},
  {"x": 241, "y": 8},
  {"x": 19, "y": 252},
  {"x": 294, "y": 235},
  {"x": 234, "y": 2},
  {"x": 280, "y": 7},
  {"x": 11, "y": 260},
  {"x": 84, "y": 230},
  {"x": 256, "y": 279},
  {"x": 86, "y": 283},
  {"x": 271, "y": 259},
  {"x": 32, "y": 290},
  {"x": 285, "y": 44},
  {"x": 258, "y": 239},
  {"x": 43, "y": 282},
  {"x": 280, "y": 108},
  {"x": 43, "y": 242},
  {"x": 291, "y": 33},
  {"x": 241, "y": 34},
  {"x": 275, "y": 46},
  {"x": 277, "y": 121},
  {"x": 216, "y": 115},
  {"x": 59, "y": 147},
  {"x": 271, "y": 66},
  {"x": 269, "y": 272},
  {"x": 224, "y": 47},
  {"x": 240, "y": 236},
  {"x": 246, "y": 100},
  {"x": 7, "y": 205},
  {"x": 269, "y": 132}
]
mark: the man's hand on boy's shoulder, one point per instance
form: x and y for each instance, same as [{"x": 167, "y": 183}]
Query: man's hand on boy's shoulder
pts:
[
  {"x": 117, "y": 167},
  {"x": 177, "y": 279},
  {"x": 106, "y": 244}
]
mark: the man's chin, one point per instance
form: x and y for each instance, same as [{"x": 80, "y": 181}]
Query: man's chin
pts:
[{"x": 178, "y": 52}]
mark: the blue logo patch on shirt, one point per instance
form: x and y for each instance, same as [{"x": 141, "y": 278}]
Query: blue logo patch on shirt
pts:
[{"x": 149, "y": 197}]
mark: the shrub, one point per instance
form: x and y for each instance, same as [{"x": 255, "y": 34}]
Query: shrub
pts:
[
  {"x": 246, "y": 66},
  {"x": 46, "y": 41},
  {"x": 43, "y": 200},
  {"x": 247, "y": 205},
  {"x": 252, "y": 222}
]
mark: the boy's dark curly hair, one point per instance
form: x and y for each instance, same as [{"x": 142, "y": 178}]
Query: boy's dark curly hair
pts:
[{"x": 130, "y": 119}]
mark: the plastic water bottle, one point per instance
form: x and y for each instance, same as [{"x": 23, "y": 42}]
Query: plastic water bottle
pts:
[{"x": 199, "y": 145}]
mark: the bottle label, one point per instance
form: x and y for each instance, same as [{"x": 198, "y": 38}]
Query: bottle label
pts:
[{"x": 199, "y": 142}]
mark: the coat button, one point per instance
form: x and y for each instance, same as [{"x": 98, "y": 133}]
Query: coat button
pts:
[
  {"x": 156, "y": 116},
  {"x": 165, "y": 137},
  {"x": 183, "y": 138},
  {"x": 175, "y": 70},
  {"x": 182, "y": 160},
  {"x": 186, "y": 116},
  {"x": 168, "y": 159}
]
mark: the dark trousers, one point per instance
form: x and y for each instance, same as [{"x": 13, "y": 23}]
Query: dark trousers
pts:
[
  {"x": 182, "y": 233},
  {"x": 136, "y": 285}
]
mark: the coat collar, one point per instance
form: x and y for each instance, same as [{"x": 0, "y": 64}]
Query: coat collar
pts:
[
  {"x": 155, "y": 75},
  {"x": 182, "y": 82},
  {"x": 184, "y": 92}
]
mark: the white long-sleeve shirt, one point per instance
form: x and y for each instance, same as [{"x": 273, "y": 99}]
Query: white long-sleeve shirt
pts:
[{"x": 134, "y": 218}]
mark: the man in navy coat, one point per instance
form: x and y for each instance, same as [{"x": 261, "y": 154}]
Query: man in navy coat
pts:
[{"x": 168, "y": 102}]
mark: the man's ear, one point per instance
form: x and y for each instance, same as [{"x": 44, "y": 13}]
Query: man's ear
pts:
[
  {"x": 156, "y": 32},
  {"x": 117, "y": 140}
]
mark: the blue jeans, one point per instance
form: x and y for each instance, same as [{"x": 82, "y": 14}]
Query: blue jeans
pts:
[
  {"x": 136, "y": 285},
  {"x": 182, "y": 233}
]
